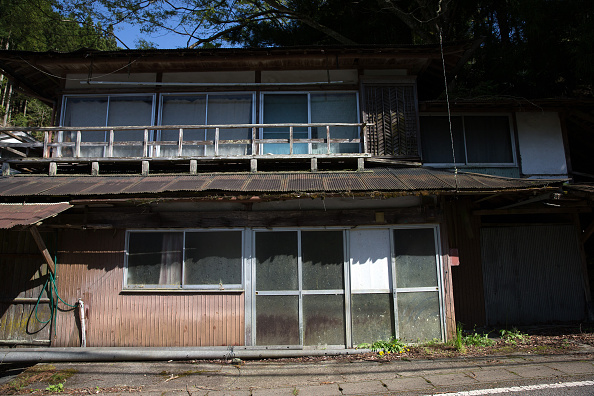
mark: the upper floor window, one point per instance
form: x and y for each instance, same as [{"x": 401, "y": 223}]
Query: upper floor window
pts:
[
  {"x": 312, "y": 107},
  {"x": 477, "y": 140},
  {"x": 108, "y": 110}
]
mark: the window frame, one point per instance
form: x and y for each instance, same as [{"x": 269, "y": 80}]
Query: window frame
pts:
[
  {"x": 308, "y": 93},
  {"x": 224, "y": 287},
  {"x": 466, "y": 163},
  {"x": 109, "y": 96}
]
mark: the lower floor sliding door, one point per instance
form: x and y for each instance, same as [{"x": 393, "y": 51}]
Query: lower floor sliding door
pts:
[{"x": 337, "y": 287}]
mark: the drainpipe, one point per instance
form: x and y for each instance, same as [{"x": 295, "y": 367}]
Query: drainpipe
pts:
[
  {"x": 83, "y": 326},
  {"x": 138, "y": 354}
]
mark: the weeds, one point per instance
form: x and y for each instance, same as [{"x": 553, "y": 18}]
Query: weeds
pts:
[
  {"x": 393, "y": 345},
  {"x": 56, "y": 388},
  {"x": 513, "y": 336}
]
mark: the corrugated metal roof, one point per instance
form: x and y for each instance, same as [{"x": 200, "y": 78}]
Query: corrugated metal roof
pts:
[
  {"x": 25, "y": 214},
  {"x": 380, "y": 179}
]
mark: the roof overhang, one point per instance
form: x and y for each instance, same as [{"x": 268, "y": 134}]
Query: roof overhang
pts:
[
  {"x": 41, "y": 73},
  {"x": 12, "y": 215}
]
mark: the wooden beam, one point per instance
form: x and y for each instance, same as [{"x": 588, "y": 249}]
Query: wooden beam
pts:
[
  {"x": 42, "y": 248},
  {"x": 496, "y": 212}
]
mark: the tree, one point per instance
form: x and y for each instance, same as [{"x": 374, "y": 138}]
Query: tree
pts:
[{"x": 36, "y": 25}]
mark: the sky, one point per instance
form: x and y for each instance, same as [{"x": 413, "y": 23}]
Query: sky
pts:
[{"x": 131, "y": 34}]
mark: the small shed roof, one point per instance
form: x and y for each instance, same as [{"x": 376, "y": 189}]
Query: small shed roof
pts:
[{"x": 12, "y": 215}]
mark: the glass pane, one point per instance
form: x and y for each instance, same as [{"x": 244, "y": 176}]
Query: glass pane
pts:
[
  {"x": 414, "y": 250},
  {"x": 436, "y": 141},
  {"x": 335, "y": 107},
  {"x": 213, "y": 258},
  {"x": 130, "y": 111},
  {"x": 370, "y": 259},
  {"x": 323, "y": 319},
  {"x": 488, "y": 139},
  {"x": 323, "y": 260},
  {"x": 226, "y": 110},
  {"x": 276, "y": 260},
  {"x": 285, "y": 109},
  {"x": 418, "y": 316},
  {"x": 277, "y": 320},
  {"x": 85, "y": 112},
  {"x": 154, "y": 258},
  {"x": 372, "y": 317},
  {"x": 183, "y": 110}
]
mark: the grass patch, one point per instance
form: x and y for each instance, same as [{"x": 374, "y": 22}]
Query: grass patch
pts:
[{"x": 45, "y": 373}]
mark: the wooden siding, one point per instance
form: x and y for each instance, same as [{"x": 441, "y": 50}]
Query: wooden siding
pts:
[
  {"x": 390, "y": 114},
  {"x": 467, "y": 278},
  {"x": 91, "y": 267},
  {"x": 23, "y": 273}
]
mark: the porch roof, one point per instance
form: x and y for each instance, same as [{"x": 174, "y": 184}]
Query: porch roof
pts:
[
  {"x": 12, "y": 215},
  {"x": 393, "y": 180}
]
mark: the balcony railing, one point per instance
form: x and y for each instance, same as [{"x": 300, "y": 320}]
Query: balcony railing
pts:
[{"x": 69, "y": 143}]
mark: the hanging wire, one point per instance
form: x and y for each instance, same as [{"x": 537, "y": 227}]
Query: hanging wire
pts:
[
  {"x": 79, "y": 79},
  {"x": 445, "y": 82}
]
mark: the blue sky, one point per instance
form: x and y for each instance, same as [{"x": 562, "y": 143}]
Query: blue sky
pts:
[{"x": 131, "y": 34}]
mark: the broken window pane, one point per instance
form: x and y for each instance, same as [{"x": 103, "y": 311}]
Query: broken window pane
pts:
[
  {"x": 323, "y": 319},
  {"x": 213, "y": 258},
  {"x": 418, "y": 316},
  {"x": 154, "y": 258},
  {"x": 323, "y": 260},
  {"x": 372, "y": 317},
  {"x": 276, "y": 260},
  {"x": 414, "y": 249},
  {"x": 277, "y": 320}
]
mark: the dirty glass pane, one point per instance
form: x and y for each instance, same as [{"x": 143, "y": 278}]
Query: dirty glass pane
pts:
[
  {"x": 323, "y": 260},
  {"x": 418, "y": 316},
  {"x": 285, "y": 109},
  {"x": 213, "y": 258},
  {"x": 277, "y": 320},
  {"x": 436, "y": 140},
  {"x": 323, "y": 319},
  {"x": 230, "y": 109},
  {"x": 334, "y": 107},
  {"x": 183, "y": 110},
  {"x": 488, "y": 139},
  {"x": 414, "y": 250},
  {"x": 130, "y": 111},
  {"x": 276, "y": 260},
  {"x": 372, "y": 317},
  {"x": 370, "y": 259},
  {"x": 154, "y": 258},
  {"x": 84, "y": 112}
]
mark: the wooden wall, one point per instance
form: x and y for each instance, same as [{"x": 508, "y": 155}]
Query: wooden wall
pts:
[{"x": 91, "y": 265}]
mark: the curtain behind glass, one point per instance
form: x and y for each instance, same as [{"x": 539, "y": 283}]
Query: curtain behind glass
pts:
[
  {"x": 283, "y": 109},
  {"x": 85, "y": 112},
  {"x": 183, "y": 110},
  {"x": 335, "y": 107},
  {"x": 488, "y": 139},
  {"x": 436, "y": 142},
  {"x": 225, "y": 110},
  {"x": 129, "y": 111}
]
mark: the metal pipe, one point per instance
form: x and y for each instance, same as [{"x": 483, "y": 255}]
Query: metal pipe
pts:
[
  {"x": 83, "y": 326},
  {"x": 100, "y": 354}
]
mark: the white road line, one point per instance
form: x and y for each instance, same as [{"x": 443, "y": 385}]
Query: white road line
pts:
[{"x": 495, "y": 391}]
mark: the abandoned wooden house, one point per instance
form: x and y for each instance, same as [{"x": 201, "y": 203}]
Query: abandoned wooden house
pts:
[{"x": 290, "y": 197}]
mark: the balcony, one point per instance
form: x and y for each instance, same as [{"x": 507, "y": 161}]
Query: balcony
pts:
[{"x": 172, "y": 147}]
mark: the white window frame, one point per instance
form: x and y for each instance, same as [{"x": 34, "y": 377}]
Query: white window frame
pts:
[
  {"x": 308, "y": 93},
  {"x": 108, "y": 96},
  {"x": 197, "y": 287},
  {"x": 206, "y": 95},
  {"x": 474, "y": 164}
]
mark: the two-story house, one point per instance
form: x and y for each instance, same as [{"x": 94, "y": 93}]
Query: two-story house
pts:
[{"x": 283, "y": 197}]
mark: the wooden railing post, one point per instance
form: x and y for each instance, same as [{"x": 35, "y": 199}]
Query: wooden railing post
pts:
[
  {"x": 328, "y": 138},
  {"x": 216, "y": 142},
  {"x": 254, "y": 138},
  {"x": 110, "y": 144},
  {"x": 145, "y": 144},
  {"x": 180, "y": 142},
  {"x": 46, "y": 136},
  {"x": 77, "y": 147},
  {"x": 291, "y": 140}
]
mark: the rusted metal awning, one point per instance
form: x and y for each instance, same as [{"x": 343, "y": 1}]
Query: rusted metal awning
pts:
[
  {"x": 12, "y": 215},
  {"x": 403, "y": 180}
]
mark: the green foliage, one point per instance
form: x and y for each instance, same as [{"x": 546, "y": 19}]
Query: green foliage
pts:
[
  {"x": 57, "y": 388},
  {"x": 393, "y": 345},
  {"x": 459, "y": 340},
  {"x": 513, "y": 336},
  {"x": 478, "y": 339}
]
